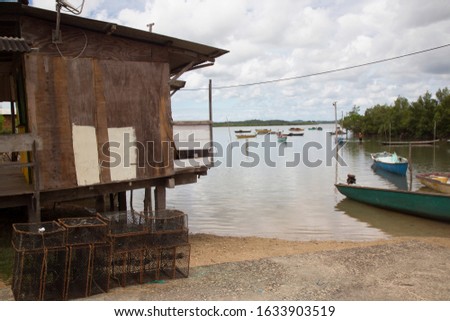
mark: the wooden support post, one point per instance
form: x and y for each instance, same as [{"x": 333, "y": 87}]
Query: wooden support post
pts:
[
  {"x": 148, "y": 200},
  {"x": 37, "y": 188},
  {"x": 160, "y": 198},
  {"x": 111, "y": 202},
  {"x": 122, "y": 196},
  {"x": 31, "y": 212},
  {"x": 100, "y": 204}
]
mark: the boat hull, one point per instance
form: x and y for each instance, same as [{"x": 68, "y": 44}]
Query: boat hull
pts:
[
  {"x": 427, "y": 205},
  {"x": 245, "y": 136},
  {"x": 435, "y": 184},
  {"x": 384, "y": 161},
  {"x": 399, "y": 169}
]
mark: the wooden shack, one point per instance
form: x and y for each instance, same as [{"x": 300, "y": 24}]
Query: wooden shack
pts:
[{"x": 93, "y": 109}]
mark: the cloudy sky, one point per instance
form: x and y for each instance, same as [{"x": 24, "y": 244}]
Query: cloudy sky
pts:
[{"x": 277, "y": 39}]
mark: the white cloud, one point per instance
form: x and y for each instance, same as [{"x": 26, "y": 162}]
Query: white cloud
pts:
[{"x": 278, "y": 39}]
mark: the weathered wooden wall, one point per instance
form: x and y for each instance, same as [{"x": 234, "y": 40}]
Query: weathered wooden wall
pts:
[{"x": 114, "y": 87}]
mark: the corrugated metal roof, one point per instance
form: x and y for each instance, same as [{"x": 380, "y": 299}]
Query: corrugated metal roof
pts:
[{"x": 14, "y": 44}]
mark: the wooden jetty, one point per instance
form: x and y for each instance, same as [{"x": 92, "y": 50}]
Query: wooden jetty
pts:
[{"x": 92, "y": 110}]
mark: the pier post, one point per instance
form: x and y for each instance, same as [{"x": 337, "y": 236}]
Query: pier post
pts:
[
  {"x": 122, "y": 196},
  {"x": 148, "y": 200},
  {"x": 160, "y": 198}
]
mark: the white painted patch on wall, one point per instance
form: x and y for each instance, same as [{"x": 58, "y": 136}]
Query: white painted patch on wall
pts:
[
  {"x": 123, "y": 153},
  {"x": 86, "y": 155}
]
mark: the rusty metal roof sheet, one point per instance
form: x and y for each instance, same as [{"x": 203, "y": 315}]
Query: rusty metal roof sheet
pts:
[{"x": 14, "y": 44}]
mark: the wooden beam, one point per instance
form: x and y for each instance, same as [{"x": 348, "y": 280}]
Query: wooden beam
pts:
[
  {"x": 183, "y": 179},
  {"x": 17, "y": 143}
]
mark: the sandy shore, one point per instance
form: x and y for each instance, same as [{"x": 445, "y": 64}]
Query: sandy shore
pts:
[
  {"x": 252, "y": 268},
  {"x": 211, "y": 249}
]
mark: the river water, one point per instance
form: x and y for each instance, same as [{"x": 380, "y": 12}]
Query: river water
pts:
[{"x": 260, "y": 187}]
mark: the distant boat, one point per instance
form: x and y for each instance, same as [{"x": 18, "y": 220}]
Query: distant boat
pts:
[
  {"x": 439, "y": 182},
  {"x": 296, "y": 129},
  {"x": 319, "y": 128},
  {"x": 281, "y": 138},
  {"x": 241, "y": 136},
  {"x": 414, "y": 142},
  {"x": 390, "y": 162},
  {"x": 296, "y": 134},
  {"x": 242, "y": 131},
  {"x": 340, "y": 140},
  {"x": 312, "y": 128},
  {"x": 263, "y": 131},
  {"x": 428, "y": 205}
]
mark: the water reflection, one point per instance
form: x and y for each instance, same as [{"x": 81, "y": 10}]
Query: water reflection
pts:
[
  {"x": 398, "y": 181},
  {"x": 392, "y": 223},
  {"x": 263, "y": 188}
]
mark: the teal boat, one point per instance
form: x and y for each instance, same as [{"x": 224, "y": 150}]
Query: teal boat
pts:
[{"x": 427, "y": 205}]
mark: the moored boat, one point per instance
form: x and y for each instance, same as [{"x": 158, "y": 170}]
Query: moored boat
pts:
[
  {"x": 414, "y": 142},
  {"x": 296, "y": 129},
  {"x": 262, "y": 131},
  {"x": 240, "y": 131},
  {"x": 428, "y": 205},
  {"x": 281, "y": 138},
  {"x": 390, "y": 162},
  {"x": 439, "y": 182},
  {"x": 296, "y": 134},
  {"x": 241, "y": 136}
]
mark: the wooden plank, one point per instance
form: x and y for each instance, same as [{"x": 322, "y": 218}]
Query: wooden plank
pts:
[
  {"x": 101, "y": 124},
  {"x": 17, "y": 142},
  {"x": 51, "y": 120},
  {"x": 81, "y": 91},
  {"x": 133, "y": 97},
  {"x": 85, "y": 43}
]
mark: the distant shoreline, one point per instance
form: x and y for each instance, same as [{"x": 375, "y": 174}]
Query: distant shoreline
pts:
[{"x": 275, "y": 122}]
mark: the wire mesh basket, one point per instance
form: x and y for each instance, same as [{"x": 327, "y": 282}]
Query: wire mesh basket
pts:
[
  {"x": 174, "y": 262},
  {"x": 33, "y": 236},
  {"x": 166, "y": 220},
  {"x": 84, "y": 230}
]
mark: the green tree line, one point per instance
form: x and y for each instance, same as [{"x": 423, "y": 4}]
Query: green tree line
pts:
[{"x": 405, "y": 119}]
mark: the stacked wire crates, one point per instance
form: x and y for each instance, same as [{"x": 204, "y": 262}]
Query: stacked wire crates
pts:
[
  {"x": 77, "y": 257},
  {"x": 141, "y": 243}
]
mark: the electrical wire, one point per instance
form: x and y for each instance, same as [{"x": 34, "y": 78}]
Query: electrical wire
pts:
[{"x": 330, "y": 71}]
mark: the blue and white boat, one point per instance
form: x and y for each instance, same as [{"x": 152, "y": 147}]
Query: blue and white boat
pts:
[{"x": 390, "y": 162}]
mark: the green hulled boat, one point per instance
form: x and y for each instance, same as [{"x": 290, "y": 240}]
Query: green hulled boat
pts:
[{"x": 427, "y": 205}]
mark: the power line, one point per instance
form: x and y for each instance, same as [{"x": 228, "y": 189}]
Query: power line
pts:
[{"x": 327, "y": 71}]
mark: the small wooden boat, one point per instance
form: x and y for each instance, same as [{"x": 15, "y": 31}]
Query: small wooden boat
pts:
[
  {"x": 428, "y": 205},
  {"x": 281, "y": 138},
  {"x": 296, "y": 129},
  {"x": 240, "y": 131},
  {"x": 390, "y": 162},
  {"x": 295, "y": 134},
  {"x": 415, "y": 142},
  {"x": 263, "y": 131},
  {"x": 242, "y": 136},
  {"x": 439, "y": 182}
]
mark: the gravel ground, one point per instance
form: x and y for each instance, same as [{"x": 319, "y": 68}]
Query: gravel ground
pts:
[{"x": 401, "y": 270}]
